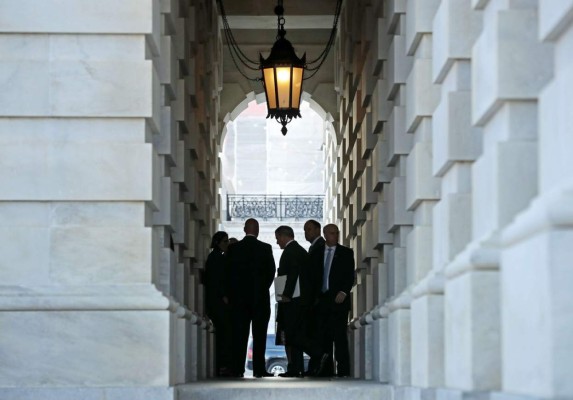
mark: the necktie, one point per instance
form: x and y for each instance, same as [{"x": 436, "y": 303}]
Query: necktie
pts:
[{"x": 326, "y": 269}]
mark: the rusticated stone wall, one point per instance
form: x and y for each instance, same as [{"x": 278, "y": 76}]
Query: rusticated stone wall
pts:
[
  {"x": 109, "y": 143},
  {"x": 449, "y": 179}
]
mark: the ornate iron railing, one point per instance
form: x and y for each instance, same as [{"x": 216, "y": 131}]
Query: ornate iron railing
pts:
[{"x": 274, "y": 207}]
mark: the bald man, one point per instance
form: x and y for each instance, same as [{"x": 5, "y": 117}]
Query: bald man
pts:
[{"x": 251, "y": 269}]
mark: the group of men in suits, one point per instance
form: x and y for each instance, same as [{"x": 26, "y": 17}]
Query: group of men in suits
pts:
[
  {"x": 315, "y": 320},
  {"x": 311, "y": 322}
]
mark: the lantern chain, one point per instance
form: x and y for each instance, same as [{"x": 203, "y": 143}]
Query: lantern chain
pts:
[{"x": 235, "y": 50}]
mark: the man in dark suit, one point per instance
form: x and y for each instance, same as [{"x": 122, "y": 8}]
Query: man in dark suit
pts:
[
  {"x": 251, "y": 270},
  {"x": 292, "y": 312},
  {"x": 313, "y": 234},
  {"x": 335, "y": 267}
]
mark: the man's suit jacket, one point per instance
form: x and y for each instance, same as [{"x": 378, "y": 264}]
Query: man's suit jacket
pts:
[
  {"x": 341, "y": 277},
  {"x": 315, "y": 253},
  {"x": 316, "y": 245},
  {"x": 251, "y": 270},
  {"x": 294, "y": 264}
]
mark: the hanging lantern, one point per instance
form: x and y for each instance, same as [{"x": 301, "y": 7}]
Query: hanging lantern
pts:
[{"x": 282, "y": 78}]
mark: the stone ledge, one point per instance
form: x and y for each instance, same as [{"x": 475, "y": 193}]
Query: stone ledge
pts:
[{"x": 51, "y": 393}]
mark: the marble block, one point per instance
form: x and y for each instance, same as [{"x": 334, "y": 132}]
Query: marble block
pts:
[
  {"x": 369, "y": 196},
  {"x": 71, "y": 171},
  {"x": 452, "y": 223},
  {"x": 399, "y": 341},
  {"x": 427, "y": 314},
  {"x": 399, "y": 65},
  {"x": 454, "y": 31},
  {"x": 381, "y": 366},
  {"x": 24, "y": 131},
  {"x": 167, "y": 196},
  {"x": 420, "y": 184},
  {"x": 396, "y": 197},
  {"x": 399, "y": 141},
  {"x": 537, "y": 330},
  {"x": 500, "y": 62},
  {"x": 72, "y": 16},
  {"x": 91, "y": 393},
  {"x": 381, "y": 107},
  {"x": 554, "y": 17},
  {"x": 94, "y": 348},
  {"x": 382, "y": 172},
  {"x": 419, "y": 252},
  {"x": 555, "y": 121},
  {"x": 503, "y": 182},
  {"x": 454, "y": 138},
  {"x": 92, "y": 78},
  {"x": 422, "y": 96},
  {"x": 397, "y": 273},
  {"x": 74, "y": 243},
  {"x": 420, "y": 15},
  {"x": 472, "y": 331}
]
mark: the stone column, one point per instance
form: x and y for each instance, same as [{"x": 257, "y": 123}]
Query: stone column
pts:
[
  {"x": 78, "y": 185},
  {"x": 503, "y": 182},
  {"x": 97, "y": 137},
  {"x": 537, "y": 322}
]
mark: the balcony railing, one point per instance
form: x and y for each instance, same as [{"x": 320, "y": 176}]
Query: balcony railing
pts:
[{"x": 274, "y": 207}]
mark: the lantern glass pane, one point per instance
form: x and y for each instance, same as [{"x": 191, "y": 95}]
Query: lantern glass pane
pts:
[
  {"x": 283, "y": 85},
  {"x": 296, "y": 86},
  {"x": 270, "y": 87}
]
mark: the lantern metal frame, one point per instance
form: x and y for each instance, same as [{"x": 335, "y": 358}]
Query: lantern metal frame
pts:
[
  {"x": 281, "y": 108},
  {"x": 283, "y": 100}
]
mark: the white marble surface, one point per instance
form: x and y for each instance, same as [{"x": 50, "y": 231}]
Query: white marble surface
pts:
[
  {"x": 399, "y": 342},
  {"x": 554, "y": 119},
  {"x": 472, "y": 331},
  {"x": 69, "y": 171},
  {"x": 24, "y": 131},
  {"x": 507, "y": 42},
  {"x": 554, "y": 17},
  {"x": 421, "y": 93},
  {"x": 419, "y": 252},
  {"x": 537, "y": 339},
  {"x": 454, "y": 138},
  {"x": 118, "y": 348},
  {"x": 85, "y": 393},
  {"x": 396, "y": 195},
  {"x": 420, "y": 184},
  {"x": 85, "y": 77},
  {"x": 420, "y": 16},
  {"x": 428, "y": 341},
  {"x": 54, "y": 16},
  {"x": 399, "y": 64},
  {"x": 53, "y": 246},
  {"x": 454, "y": 30}
]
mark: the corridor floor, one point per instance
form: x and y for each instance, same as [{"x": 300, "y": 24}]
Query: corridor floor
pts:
[{"x": 283, "y": 389}]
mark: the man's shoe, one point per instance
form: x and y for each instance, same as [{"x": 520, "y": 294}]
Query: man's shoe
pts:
[{"x": 263, "y": 375}]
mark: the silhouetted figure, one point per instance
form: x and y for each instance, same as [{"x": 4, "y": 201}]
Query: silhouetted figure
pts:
[
  {"x": 251, "y": 270},
  {"x": 292, "y": 309},
  {"x": 217, "y": 304}
]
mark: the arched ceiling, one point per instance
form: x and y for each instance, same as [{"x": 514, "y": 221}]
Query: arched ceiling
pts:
[{"x": 254, "y": 25}]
